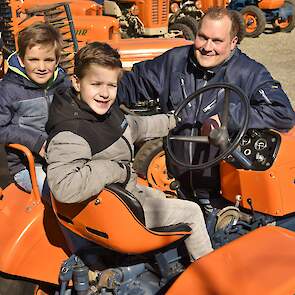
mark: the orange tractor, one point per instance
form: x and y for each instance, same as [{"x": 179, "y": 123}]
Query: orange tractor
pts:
[
  {"x": 256, "y": 14},
  {"x": 102, "y": 246},
  {"x": 81, "y": 22},
  {"x": 148, "y": 19},
  {"x": 280, "y": 13}
]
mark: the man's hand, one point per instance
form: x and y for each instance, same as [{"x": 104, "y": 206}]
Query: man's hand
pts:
[
  {"x": 42, "y": 151},
  {"x": 210, "y": 124}
]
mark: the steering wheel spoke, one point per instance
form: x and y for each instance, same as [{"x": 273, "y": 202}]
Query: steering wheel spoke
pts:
[{"x": 201, "y": 139}]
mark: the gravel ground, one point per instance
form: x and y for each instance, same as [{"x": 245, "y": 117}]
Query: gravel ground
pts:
[{"x": 277, "y": 52}]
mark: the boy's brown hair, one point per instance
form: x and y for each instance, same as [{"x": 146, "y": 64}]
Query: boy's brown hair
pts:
[
  {"x": 39, "y": 33},
  {"x": 96, "y": 53}
]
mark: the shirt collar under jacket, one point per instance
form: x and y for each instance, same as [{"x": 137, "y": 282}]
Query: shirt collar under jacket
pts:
[{"x": 203, "y": 73}]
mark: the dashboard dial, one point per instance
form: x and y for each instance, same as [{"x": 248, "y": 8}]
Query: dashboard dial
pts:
[
  {"x": 245, "y": 140},
  {"x": 260, "y": 144}
]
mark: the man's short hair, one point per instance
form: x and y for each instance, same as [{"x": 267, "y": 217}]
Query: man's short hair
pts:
[
  {"x": 39, "y": 33},
  {"x": 237, "y": 27},
  {"x": 96, "y": 53}
]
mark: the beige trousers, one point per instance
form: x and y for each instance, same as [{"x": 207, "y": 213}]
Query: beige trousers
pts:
[{"x": 162, "y": 211}]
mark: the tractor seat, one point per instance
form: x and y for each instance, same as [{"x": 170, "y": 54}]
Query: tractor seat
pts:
[{"x": 114, "y": 219}]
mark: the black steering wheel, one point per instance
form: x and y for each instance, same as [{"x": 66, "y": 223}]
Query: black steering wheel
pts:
[{"x": 218, "y": 137}]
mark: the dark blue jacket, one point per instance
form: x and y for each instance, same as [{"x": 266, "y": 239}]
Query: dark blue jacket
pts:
[
  {"x": 176, "y": 74},
  {"x": 24, "y": 110}
]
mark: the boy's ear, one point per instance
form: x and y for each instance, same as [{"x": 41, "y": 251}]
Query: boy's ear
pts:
[{"x": 76, "y": 83}]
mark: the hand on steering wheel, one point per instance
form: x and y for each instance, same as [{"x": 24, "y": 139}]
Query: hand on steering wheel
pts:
[{"x": 218, "y": 136}]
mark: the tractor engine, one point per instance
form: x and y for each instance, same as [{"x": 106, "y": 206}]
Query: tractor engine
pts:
[{"x": 140, "y": 18}]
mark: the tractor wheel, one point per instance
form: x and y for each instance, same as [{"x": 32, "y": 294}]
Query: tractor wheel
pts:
[
  {"x": 150, "y": 164},
  {"x": 241, "y": 33},
  {"x": 286, "y": 25},
  {"x": 189, "y": 21},
  {"x": 254, "y": 19},
  {"x": 182, "y": 30},
  {"x": 19, "y": 287}
]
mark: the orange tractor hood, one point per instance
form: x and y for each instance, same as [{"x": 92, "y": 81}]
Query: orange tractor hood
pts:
[{"x": 139, "y": 49}]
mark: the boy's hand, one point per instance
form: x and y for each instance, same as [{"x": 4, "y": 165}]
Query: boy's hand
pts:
[
  {"x": 130, "y": 178},
  {"x": 42, "y": 151}
]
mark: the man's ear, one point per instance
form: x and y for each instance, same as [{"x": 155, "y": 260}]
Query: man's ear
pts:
[
  {"x": 76, "y": 83},
  {"x": 234, "y": 42},
  {"x": 20, "y": 61}
]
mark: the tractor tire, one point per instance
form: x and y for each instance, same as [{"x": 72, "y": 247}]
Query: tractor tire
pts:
[
  {"x": 287, "y": 25},
  {"x": 184, "y": 31},
  {"x": 150, "y": 164},
  {"x": 254, "y": 19},
  {"x": 13, "y": 286},
  {"x": 241, "y": 33},
  {"x": 189, "y": 21}
]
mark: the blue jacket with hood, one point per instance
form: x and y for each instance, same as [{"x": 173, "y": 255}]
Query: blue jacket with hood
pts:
[
  {"x": 24, "y": 110},
  {"x": 176, "y": 74}
]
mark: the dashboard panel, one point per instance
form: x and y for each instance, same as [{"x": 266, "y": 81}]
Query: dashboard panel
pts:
[{"x": 260, "y": 146}]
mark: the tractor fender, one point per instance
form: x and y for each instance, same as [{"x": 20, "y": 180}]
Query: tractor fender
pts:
[
  {"x": 32, "y": 245},
  {"x": 261, "y": 262},
  {"x": 286, "y": 11}
]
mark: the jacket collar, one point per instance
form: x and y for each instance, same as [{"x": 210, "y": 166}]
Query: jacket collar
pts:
[{"x": 203, "y": 73}]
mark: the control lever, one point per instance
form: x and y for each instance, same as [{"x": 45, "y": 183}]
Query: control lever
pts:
[
  {"x": 242, "y": 159},
  {"x": 249, "y": 201},
  {"x": 238, "y": 201},
  {"x": 175, "y": 185}
]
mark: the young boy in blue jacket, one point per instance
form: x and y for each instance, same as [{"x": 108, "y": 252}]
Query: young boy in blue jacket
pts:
[{"x": 26, "y": 92}]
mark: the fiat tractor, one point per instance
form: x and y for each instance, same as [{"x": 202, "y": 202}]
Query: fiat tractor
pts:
[
  {"x": 102, "y": 246},
  {"x": 279, "y": 13},
  {"x": 148, "y": 19}
]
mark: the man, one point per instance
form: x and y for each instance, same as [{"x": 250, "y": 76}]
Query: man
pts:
[
  {"x": 26, "y": 92},
  {"x": 213, "y": 58},
  {"x": 90, "y": 145}
]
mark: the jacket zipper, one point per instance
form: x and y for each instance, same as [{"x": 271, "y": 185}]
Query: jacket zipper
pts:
[
  {"x": 47, "y": 100},
  {"x": 192, "y": 134},
  {"x": 195, "y": 120},
  {"x": 184, "y": 93}
]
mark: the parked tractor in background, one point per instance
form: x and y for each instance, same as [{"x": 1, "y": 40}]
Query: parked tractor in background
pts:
[
  {"x": 279, "y": 13},
  {"x": 147, "y": 19},
  {"x": 255, "y": 14},
  {"x": 189, "y": 12},
  {"x": 82, "y": 22}
]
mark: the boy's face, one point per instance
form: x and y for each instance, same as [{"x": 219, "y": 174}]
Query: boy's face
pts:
[
  {"x": 98, "y": 87},
  {"x": 40, "y": 63}
]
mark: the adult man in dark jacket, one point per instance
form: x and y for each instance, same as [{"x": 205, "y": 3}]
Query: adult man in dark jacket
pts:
[
  {"x": 26, "y": 92},
  {"x": 213, "y": 58}
]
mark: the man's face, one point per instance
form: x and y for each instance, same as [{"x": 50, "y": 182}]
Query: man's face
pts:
[
  {"x": 213, "y": 43},
  {"x": 98, "y": 87},
  {"x": 40, "y": 63}
]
